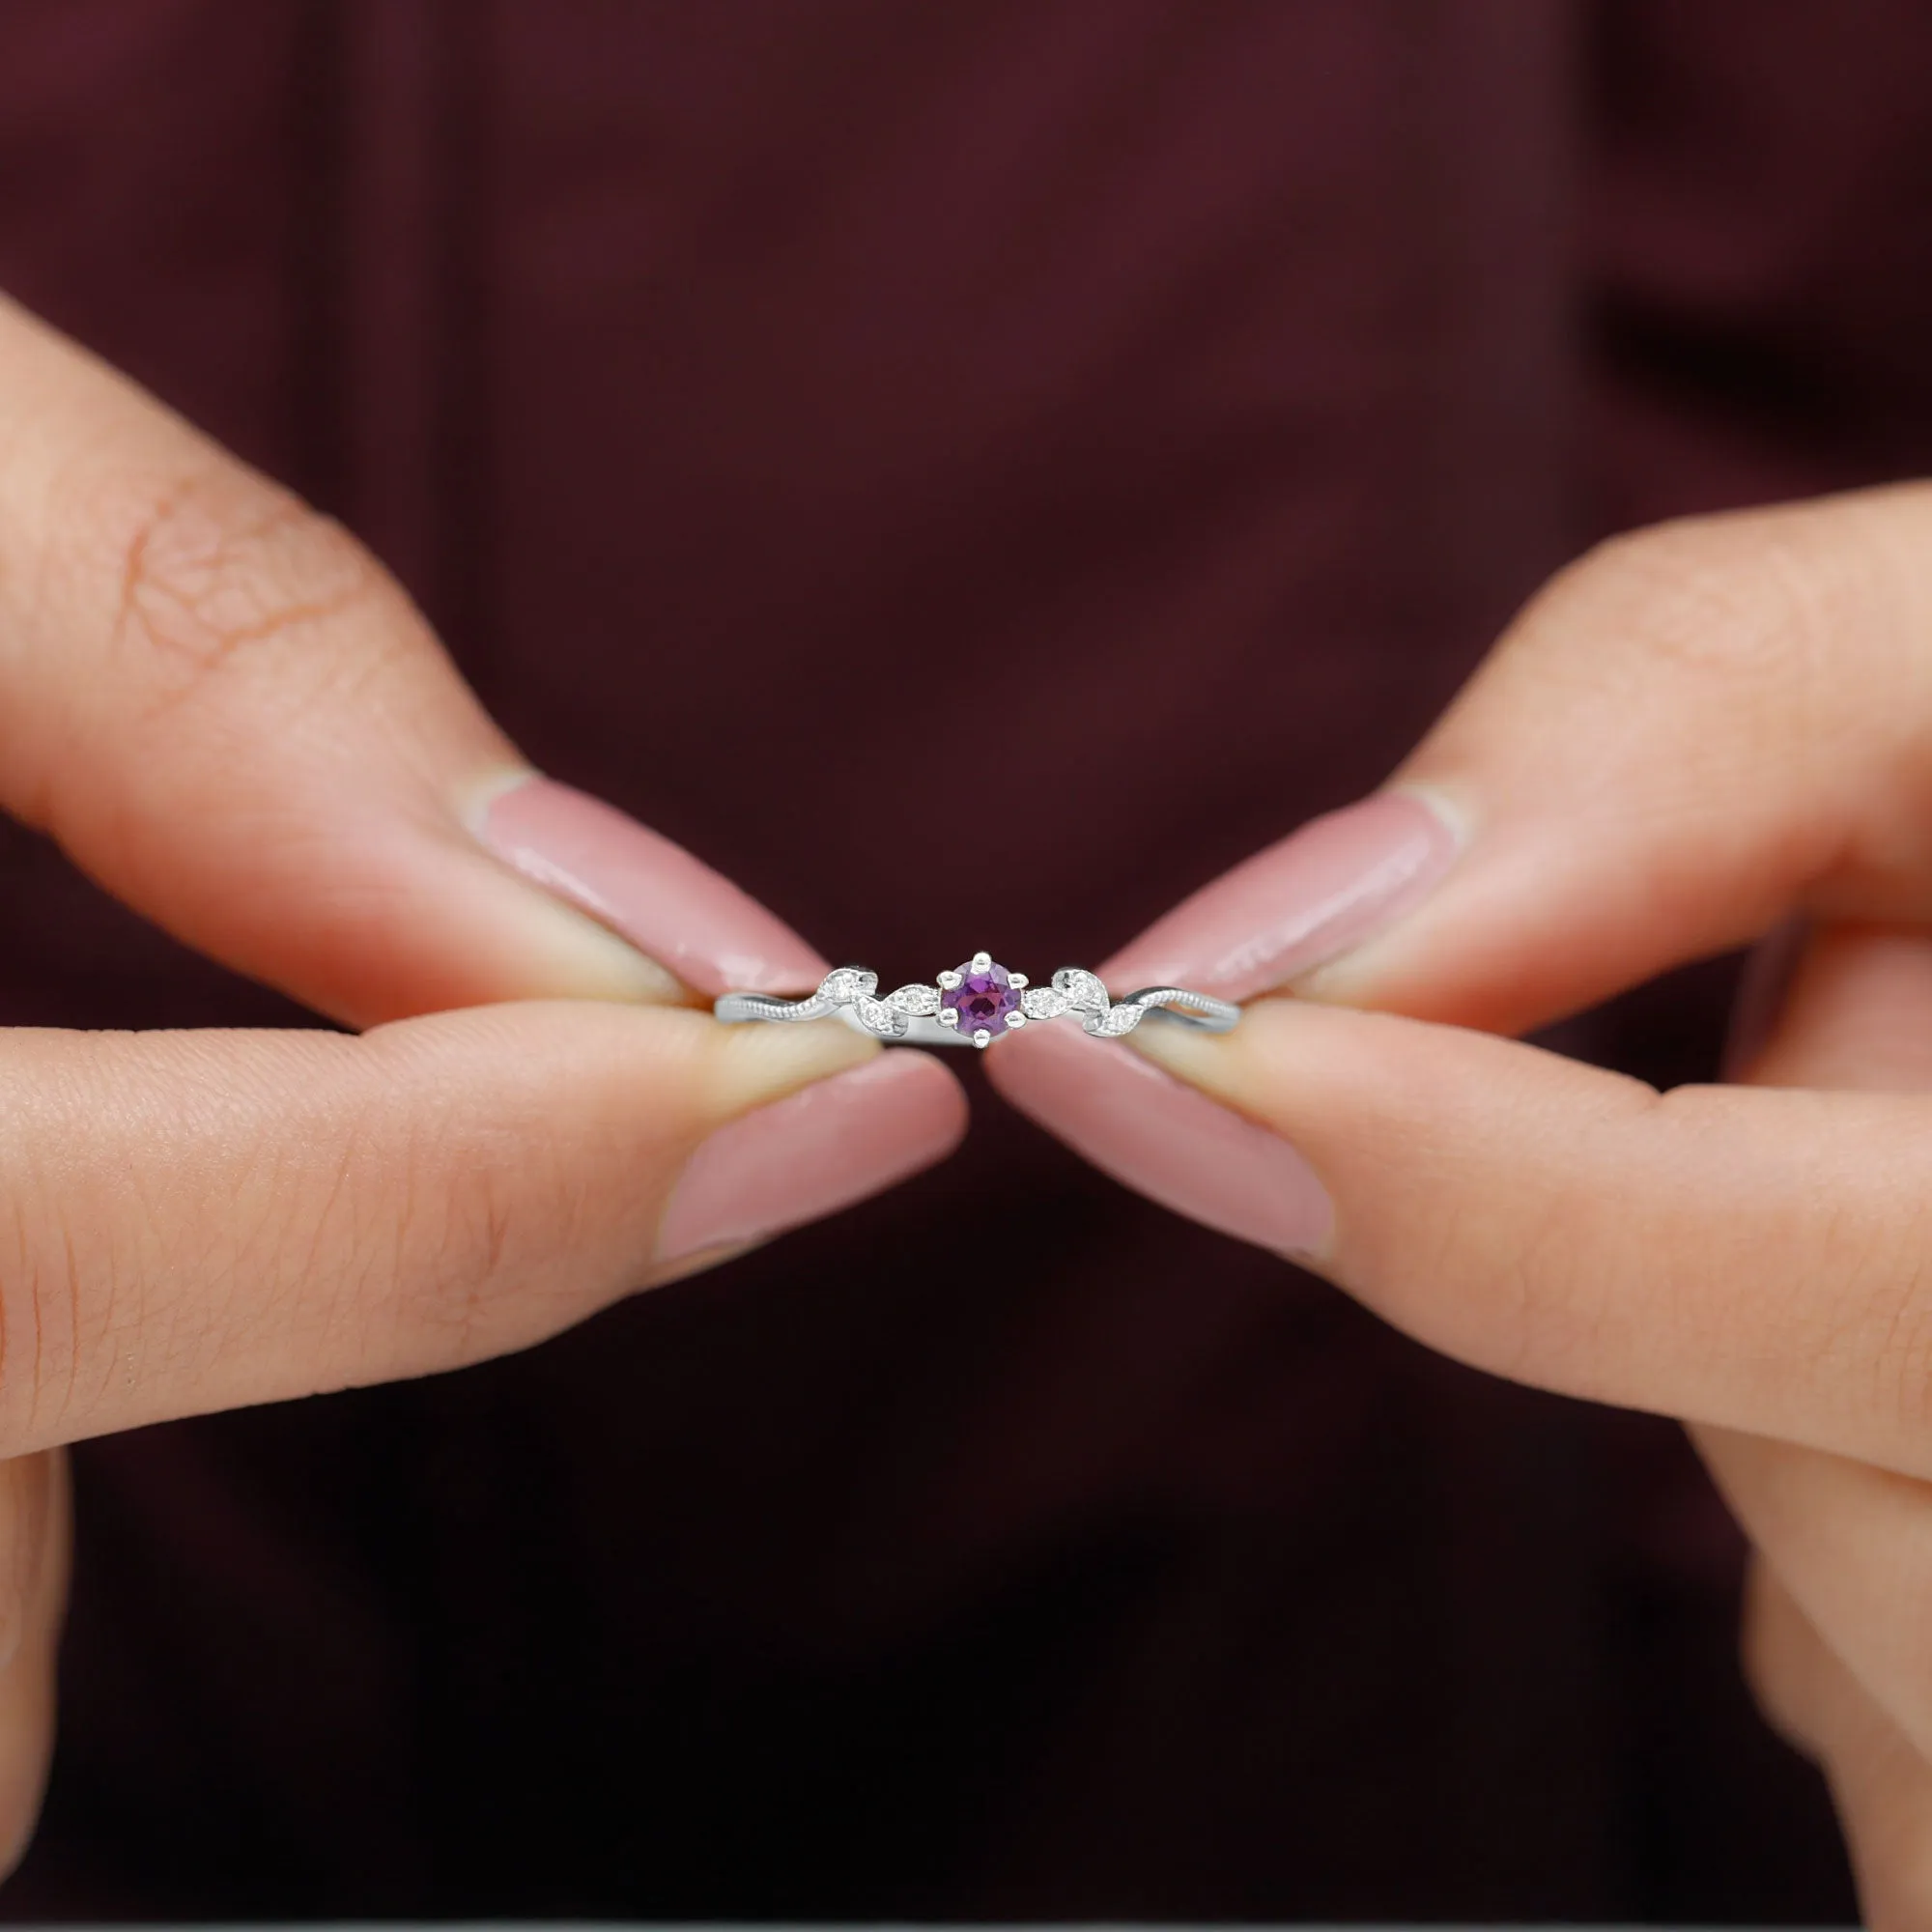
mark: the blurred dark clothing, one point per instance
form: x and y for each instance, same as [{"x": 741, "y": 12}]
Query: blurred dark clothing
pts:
[{"x": 714, "y": 373}]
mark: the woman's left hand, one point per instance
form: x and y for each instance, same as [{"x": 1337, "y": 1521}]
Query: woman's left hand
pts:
[{"x": 1694, "y": 738}]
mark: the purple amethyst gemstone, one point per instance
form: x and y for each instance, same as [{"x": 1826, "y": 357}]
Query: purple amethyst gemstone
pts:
[{"x": 982, "y": 1000}]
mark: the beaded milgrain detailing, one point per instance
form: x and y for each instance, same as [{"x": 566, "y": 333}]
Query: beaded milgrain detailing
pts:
[{"x": 978, "y": 1002}]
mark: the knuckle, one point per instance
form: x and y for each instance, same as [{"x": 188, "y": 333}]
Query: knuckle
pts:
[
  {"x": 1900, "y": 1299},
  {"x": 83, "y": 1231},
  {"x": 215, "y": 570},
  {"x": 479, "y": 1256},
  {"x": 1869, "y": 1337},
  {"x": 1752, "y": 600},
  {"x": 1575, "y": 1261},
  {"x": 40, "y": 1313}
]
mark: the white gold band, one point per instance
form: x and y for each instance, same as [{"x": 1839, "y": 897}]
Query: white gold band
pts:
[{"x": 978, "y": 1002}]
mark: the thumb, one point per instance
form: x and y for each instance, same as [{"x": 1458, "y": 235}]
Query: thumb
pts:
[
  {"x": 224, "y": 710},
  {"x": 1690, "y": 733},
  {"x": 1688, "y": 737}
]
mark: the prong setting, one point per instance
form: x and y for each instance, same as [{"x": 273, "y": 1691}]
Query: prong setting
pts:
[
  {"x": 982, "y": 1039},
  {"x": 982, "y": 961},
  {"x": 948, "y": 1018},
  {"x": 1016, "y": 1019},
  {"x": 948, "y": 979}
]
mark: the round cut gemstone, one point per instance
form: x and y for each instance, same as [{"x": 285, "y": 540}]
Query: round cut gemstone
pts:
[{"x": 982, "y": 999}]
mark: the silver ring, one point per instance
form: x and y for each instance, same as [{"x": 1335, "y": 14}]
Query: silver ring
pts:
[{"x": 978, "y": 1002}]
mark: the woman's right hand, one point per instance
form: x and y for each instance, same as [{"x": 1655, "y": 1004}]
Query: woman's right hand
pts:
[
  {"x": 1697, "y": 736},
  {"x": 226, "y": 712}
]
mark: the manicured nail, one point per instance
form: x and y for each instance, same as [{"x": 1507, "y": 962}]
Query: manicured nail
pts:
[
  {"x": 812, "y": 1153},
  {"x": 670, "y": 906},
  {"x": 1163, "y": 1139},
  {"x": 1297, "y": 905}
]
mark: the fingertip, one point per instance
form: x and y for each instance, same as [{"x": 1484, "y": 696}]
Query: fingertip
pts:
[
  {"x": 931, "y": 1103},
  {"x": 1165, "y": 1138},
  {"x": 809, "y": 1155},
  {"x": 1278, "y": 1063},
  {"x": 747, "y": 1065}
]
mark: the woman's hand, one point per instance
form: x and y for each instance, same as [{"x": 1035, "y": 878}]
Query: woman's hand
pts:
[
  {"x": 226, "y": 712},
  {"x": 1692, "y": 737}
]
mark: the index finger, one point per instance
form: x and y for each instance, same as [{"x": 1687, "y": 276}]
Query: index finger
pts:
[
  {"x": 1751, "y": 1257},
  {"x": 194, "y": 1221}
]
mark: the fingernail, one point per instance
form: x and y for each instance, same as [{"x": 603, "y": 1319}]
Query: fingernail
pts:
[
  {"x": 812, "y": 1153},
  {"x": 1163, "y": 1139},
  {"x": 1298, "y": 904},
  {"x": 695, "y": 922}
]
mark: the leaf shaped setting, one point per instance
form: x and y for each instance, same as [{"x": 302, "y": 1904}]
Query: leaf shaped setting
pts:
[
  {"x": 845, "y": 984},
  {"x": 1081, "y": 989},
  {"x": 876, "y": 1016}
]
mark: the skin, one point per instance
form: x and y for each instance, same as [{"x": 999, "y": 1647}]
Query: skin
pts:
[
  {"x": 226, "y": 712},
  {"x": 1692, "y": 735}
]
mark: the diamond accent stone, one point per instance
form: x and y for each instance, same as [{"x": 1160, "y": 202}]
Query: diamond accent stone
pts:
[{"x": 922, "y": 1001}]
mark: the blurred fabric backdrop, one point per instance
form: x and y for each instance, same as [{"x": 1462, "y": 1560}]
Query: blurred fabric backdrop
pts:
[{"x": 722, "y": 374}]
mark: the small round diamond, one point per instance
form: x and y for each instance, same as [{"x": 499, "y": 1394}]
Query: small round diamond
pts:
[{"x": 982, "y": 999}]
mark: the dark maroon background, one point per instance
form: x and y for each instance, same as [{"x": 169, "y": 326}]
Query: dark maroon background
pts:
[{"x": 720, "y": 373}]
